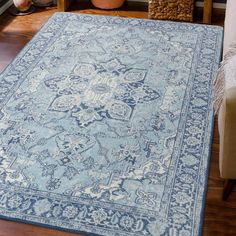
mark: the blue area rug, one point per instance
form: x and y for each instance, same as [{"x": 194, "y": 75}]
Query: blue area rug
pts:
[{"x": 106, "y": 126}]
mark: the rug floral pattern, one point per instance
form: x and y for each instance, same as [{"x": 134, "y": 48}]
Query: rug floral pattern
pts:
[{"x": 106, "y": 126}]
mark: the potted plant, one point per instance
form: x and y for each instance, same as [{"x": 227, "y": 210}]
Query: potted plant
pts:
[{"x": 108, "y": 4}]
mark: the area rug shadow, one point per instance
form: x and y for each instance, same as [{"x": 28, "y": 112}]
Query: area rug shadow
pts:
[{"x": 106, "y": 126}]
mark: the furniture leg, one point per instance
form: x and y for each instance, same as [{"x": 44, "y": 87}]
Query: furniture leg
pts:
[
  {"x": 228, "y": 187},
  {"x": 207, "y": 11},
  {"x": 62, "y": 5}
]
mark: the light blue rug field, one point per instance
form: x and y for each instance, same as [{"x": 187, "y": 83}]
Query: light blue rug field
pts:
[{"x": 106, "y": 126}]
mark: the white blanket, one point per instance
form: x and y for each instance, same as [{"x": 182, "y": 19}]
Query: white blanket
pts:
[{"x": 226, "y": 77}]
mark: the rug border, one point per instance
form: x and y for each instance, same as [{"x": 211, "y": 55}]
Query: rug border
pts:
[{"x": 203, "y": 205}]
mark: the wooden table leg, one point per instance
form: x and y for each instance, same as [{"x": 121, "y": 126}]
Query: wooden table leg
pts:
[
  {"x": 62, "y": 5},
  {"x": 207, "y": 11}
]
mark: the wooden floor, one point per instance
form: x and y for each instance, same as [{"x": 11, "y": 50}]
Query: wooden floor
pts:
[{"x": 15, "y": 32}]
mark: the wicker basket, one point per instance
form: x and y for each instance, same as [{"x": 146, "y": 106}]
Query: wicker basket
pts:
[{"x": 181, "y": 10}]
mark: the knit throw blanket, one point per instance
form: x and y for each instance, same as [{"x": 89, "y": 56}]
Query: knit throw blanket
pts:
[{"x": 226, "y": 77}]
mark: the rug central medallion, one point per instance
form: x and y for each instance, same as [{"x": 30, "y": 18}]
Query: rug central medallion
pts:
[{"x": 93, "y": 92}]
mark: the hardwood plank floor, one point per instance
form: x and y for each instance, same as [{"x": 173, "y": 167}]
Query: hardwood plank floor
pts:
[{"x": 15, "y": 32}]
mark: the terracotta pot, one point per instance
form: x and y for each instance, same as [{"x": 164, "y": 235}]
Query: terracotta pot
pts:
[{"x": 108, "y": 4}]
